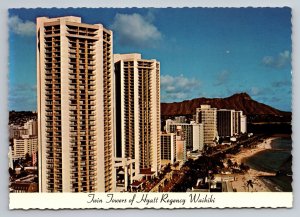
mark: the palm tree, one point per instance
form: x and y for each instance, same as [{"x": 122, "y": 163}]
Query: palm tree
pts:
[
  {"x": 250, "y": 183},
  {"x": 229, "y": 163},
  {"x": 235, "y": 164}
]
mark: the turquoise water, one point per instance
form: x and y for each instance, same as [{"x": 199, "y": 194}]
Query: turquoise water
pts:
[{"x": 272, "y": 160}]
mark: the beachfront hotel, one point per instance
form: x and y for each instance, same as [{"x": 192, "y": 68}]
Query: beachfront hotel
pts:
[
  {"x": 240, "y": 122},
  {"x": 225, "y": 122},
  {"x": 193, "y": 133},
  {"x": 243, "y": 123},
  {"x": 137, "y": 100},
  {"x": 231, "y": 122},
  {"x": 75, "y": 106},
  {"x": 208, "y": 117}
]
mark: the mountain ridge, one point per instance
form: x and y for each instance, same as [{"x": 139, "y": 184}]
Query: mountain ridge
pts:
[{"x": 239, "y": 101}]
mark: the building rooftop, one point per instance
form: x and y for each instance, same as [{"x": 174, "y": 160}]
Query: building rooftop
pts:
[
  {"x": 146, "y": 171},
  {"x": 136, "y": 184}
]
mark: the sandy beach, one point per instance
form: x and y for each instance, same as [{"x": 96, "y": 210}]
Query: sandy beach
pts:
[{"x": 240, "y": 183}]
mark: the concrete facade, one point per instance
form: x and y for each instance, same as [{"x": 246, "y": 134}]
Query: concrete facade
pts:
[
  {"x": 225, "y": 122},
  {"x": 16, "y": 131},
  {"x": 137, "y": 100},
  {"x": 193, "y": 133},
  {"x": 180, "y": 119},
  {"x": 208, "y": 117},
  {"x": 168, "y": 148},
  {"x": 31, "y": 126},
  {"x": 243, "y": 123},
  {"x": 180, "y": 146},
  {"x": 24, "y": 145},
  {"x": 75, "y": 106},
  {"x": 198, "y": 137}
]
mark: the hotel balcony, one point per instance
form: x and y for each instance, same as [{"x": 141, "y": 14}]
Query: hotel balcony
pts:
[
  {"x": 108, "y": 180},
  {"x": 91, "y": 77},
  {"x": 49, "y": 46},
  {"x": 49, "y": 166},
  {"x": 92, "y": 164},
  {"x": 52, "y": 51},
  {"x": 91, "y": 67},
  {"x": 92, "y": 92},
  {"x": 92, "y": 82},
  {"x": 92, "y": 148},
  {"x": 92, "y": 179},
  {"x": 73, "y": 77},
  {"x": 92, "y": 153},
  {"x": 92, "y": 170},
  {"x": 72, "y": 67},
  {"x": 73, "y": 87}
]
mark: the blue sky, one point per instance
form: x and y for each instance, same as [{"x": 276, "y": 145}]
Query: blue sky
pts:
[{"x": 204, "y": 52}]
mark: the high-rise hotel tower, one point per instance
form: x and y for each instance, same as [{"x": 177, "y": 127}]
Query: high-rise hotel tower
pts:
[
  {"x": 208, "y": 117},
  {"x": 137, "y": 83},
  {"x": 75, "y": 106}
]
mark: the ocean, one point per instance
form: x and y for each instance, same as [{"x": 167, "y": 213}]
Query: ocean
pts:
[{"x": 273, "y": 160}]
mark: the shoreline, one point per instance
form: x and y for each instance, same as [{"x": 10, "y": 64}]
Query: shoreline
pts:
[{"x": 240, "y": 180}]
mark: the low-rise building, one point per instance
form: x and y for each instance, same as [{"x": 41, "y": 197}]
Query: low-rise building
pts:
[
  {"x": 24, "y": 145},
  {"x": 192, "y": 133},
  {"x": 24, "y": 187}
]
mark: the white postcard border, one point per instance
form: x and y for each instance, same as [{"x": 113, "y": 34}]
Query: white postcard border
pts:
[
  {"x": 17, "y": 199},
  {"x": 150, "y": 200}
]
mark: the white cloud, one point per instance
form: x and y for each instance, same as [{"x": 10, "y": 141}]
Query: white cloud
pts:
[
  {"x": 255, "y": 91},
  {"x": 22, "y": 97},
  {"x": 281, "y": 60},
  {"x": 282, "y": 83},
  {"x": 268, "y": 60},
  {"x": 178, "y": 87},
  {"x": 260, "y": 91},
  {"x": 21, "y": 27},
  {"x": 133, "y": 29},
  {"x": 222, "y": 78}
]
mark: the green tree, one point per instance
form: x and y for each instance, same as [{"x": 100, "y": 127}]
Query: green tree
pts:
[
  {"x": 250, "y": 184},
  {"x": 27, "y": 157},
  {"x": 11, "y": 171},
  {"x": 229, "y": 163}
]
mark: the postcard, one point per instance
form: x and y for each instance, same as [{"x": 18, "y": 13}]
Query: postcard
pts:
[{"x": 150, "y": 108}]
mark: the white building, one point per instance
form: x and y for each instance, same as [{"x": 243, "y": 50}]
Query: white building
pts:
[
  {"x": 180, "y": 119},
  {"x": 16, "y": 131},
  {"x": 75, "y": 105},
  {"x": 243, "y": 124},
  {"x": 193, "y": 133},
  {"x": 167, "y": 126},
  {"x": 208, "y": 117},
  {"x": 137, "y": 100},
  {"x": 230, "y": 122},
  {"x": 24, "y": 145},
  {"x": 198, "y": 137},
  {"x": 31, "y": 127},
  {"x": 10, "y": 158}
]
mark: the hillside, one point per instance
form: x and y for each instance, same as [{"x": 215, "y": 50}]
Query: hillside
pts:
[{"x": 240, "y": 101}]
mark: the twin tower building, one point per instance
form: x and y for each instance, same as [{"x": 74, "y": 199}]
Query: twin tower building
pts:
[{"x": 98, "y": 113}]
